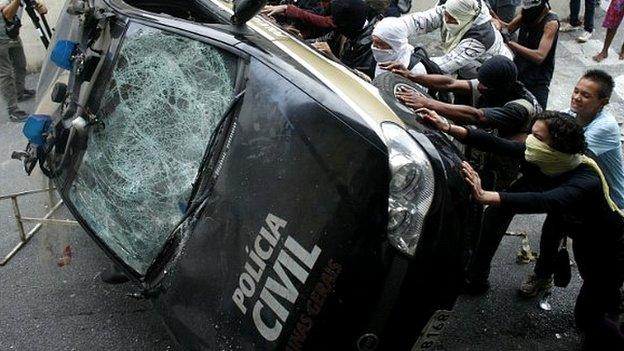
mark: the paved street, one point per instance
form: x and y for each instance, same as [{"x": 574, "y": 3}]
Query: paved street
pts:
[{"x": 52, "y": 302}]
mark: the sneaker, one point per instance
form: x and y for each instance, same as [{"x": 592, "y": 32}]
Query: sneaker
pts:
[
  {"x": 26, "y": 94},
  {"x": 567, "y": 27},
  {"x": 17, "y": 116},
  {"x": 583, "y": 38},
  {"x": 533, "y": 285}
]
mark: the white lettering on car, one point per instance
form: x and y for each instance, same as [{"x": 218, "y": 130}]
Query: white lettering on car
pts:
[{"x": 278, "y": 283}]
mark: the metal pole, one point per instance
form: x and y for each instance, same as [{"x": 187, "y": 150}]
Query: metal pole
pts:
[
  {"x": 30, "y": 234},
  {"x": 18, "y": 219}
]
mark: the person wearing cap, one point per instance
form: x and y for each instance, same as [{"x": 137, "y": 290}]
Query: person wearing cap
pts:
[
  {"x": 468, "y": 36},
  {"x": 13, "y": 59},
  {"x": 535, "y": 48}
]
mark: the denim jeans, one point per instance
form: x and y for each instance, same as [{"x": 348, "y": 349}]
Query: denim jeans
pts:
[{"x": 575, "y": 8}]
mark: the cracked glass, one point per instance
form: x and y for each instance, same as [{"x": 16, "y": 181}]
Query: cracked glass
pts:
[{"x": 165, "y": 98}]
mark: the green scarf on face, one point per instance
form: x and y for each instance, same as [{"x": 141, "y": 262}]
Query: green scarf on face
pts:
[{"x": 552, "y": 163}]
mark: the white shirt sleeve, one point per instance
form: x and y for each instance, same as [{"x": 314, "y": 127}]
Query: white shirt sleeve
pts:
[
  {"x": 466, "y": 52},
  {"x": 423, "y": 22}
]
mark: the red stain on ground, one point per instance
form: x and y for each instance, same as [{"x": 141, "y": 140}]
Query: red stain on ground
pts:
[{"x": 66, "y": 258}]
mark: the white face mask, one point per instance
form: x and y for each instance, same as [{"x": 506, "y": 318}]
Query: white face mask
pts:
[{"x": 384, "y": 55}]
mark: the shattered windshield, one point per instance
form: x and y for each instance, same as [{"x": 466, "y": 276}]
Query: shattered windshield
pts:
[{"x": 164, "y": 99}]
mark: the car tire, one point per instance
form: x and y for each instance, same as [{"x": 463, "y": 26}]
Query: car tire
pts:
[{"x": 390, "y": 83}]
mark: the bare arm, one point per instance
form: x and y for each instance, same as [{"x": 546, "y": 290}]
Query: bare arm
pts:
[
  {"x": 434, "y": 81},
  {"x": 434, "y": 120},
  {"x": 538, "y": 55},
  {"x": 478, "y": 194},
  {"x": 9, "y": 11},
  {"x": 460, "y": 114},
  {"x": 441, "y": 82}
]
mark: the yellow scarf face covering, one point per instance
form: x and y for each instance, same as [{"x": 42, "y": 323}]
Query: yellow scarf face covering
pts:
[{"x": 552, "y": 163}]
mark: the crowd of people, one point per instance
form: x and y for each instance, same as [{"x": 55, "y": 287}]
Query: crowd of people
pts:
[{"x": 498, "y": 64}]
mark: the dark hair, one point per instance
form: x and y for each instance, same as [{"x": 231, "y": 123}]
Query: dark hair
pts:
[
  {"x": 603, "y": 79},
  {"x": 566, "y": 134}
]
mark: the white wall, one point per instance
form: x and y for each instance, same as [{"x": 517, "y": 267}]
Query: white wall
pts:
[{"x": 35, "y": 51}]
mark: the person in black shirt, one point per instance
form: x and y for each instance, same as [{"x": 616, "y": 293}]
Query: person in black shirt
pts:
[
  {"x": 355, "y": 20},
  {"x": 535, "y": 50},
  {"x": 558, "y": 180},
  {"x": 498, "y": 99}
]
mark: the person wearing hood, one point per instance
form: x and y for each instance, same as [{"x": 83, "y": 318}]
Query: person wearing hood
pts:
[
  {"x": 559, "y": 180},
  {"x": 390, "y": 44},
  {"x": 498, "y": 99},
  {"x": 354, "y": 20},
  {"x": 536, "y": 46},
  {"x": 468, "y": 36}
]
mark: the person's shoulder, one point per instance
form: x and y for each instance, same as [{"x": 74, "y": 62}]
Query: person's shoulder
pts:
[
  {"x": 604, "y": 123},
  {"x": 552, "y": 16},
  {"x": 587, "y": 175}
]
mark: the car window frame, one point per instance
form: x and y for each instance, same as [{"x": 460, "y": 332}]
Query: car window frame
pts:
[{"x": 227, "y": 43}]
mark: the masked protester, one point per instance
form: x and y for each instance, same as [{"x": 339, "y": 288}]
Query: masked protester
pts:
[
  {"x": 535, "y": 48},
  {"x": 390, "y": 44},
  {"x": 497, "y": 101},
  {"x": 467, "y": 35},
  {"x": 602, "y": 133},
  {"x": 557, "y": 179},
  {"x": 12, "y": 59},
  {"x": 354, "y": 21}
]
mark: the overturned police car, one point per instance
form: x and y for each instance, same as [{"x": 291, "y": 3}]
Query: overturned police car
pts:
[{"x": 263, "y": 196}]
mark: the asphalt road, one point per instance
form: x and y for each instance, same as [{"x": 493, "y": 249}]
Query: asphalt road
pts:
[{"x": 46, "y": 306}]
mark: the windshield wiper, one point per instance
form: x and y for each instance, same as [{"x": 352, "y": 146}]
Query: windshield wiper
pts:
[{"x": 198, "y": 183}]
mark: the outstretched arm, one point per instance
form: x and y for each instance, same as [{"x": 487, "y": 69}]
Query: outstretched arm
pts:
[
  {"x": 460, "y": 114},
  {"x": 434, "y": 81},
  {"x": 538, "y": 55},
  {"x": 475, "y": 137}
]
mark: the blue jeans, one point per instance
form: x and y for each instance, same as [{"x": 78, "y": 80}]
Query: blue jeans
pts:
[{"x": 575, "y": 8}]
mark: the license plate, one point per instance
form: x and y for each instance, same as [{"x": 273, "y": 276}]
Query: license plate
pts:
[{"x": 432, "y": 331}]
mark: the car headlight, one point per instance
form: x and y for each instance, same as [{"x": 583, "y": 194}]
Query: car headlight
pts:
[{"x": 411, "y": 188}]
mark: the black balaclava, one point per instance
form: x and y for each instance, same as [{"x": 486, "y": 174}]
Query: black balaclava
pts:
[
  {"x": 349, "y": 16},
  {"x": 531, "y": 14},
  {"x": 499, "y": 75},
  {"x": 498, "y": 72}
]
